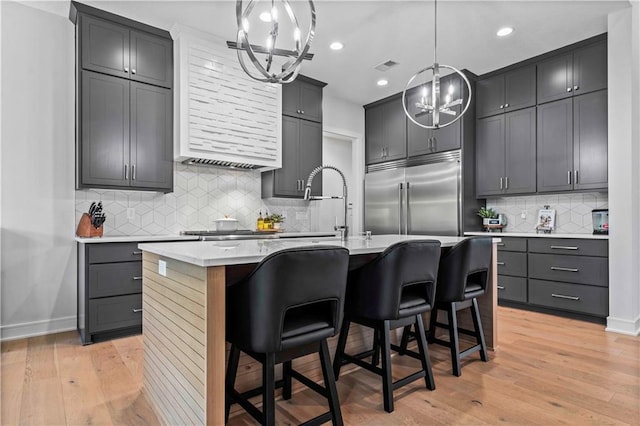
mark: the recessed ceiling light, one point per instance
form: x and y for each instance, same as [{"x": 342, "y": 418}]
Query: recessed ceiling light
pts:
[
  {"x": 503, "y": 32},
  {"x": 265, "y": 17},
  {"x": 382, "y": 82},
  {"x": 336, "y": 45}
]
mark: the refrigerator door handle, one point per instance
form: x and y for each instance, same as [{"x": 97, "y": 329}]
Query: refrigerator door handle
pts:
[
  {"x": 406, "y": 216},
  {"x": 400, "y": 208}
]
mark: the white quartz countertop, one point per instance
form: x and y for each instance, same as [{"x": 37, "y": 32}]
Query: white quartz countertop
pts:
[
  {"x": 135, "y": 238},
  {"x": 534, "y": 235},
  {"x": 219, "y": 253}
]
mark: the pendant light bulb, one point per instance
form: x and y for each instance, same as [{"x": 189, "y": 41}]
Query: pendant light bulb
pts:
[
  {"x": 451, "y": 89},
  {"x": 296, "y": 34},
  {"x": 274, "y": 14}
]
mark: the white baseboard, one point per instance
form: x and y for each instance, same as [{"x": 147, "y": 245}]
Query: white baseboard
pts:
[
  {"x": 37, "y": 328},
  {"x": 624, "y": 326}
]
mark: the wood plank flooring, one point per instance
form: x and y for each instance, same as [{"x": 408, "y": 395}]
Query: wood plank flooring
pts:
[{"x": 548, "y": 370}]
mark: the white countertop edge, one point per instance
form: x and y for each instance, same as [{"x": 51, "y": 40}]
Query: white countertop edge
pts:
[
  {"x": 135, "y": 238},
  {"x": 534, "y": 235}
]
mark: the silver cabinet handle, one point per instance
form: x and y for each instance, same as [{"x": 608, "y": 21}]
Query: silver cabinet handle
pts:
[
  {"x": 559, "y": 268},
  {"x": 568, "y": 89},
  {"x": 297, "y": 184},
  {"x": 400, "y": 209},
  {"x": 135, "y": 253},
  {"x": 499, "y": 287},
  {"x": 501, "y": 106},
  {"x": 506, "y": 105},
  {"x": 564, "y": 248},
  {"x": 126, "y": 69},
  {"x": 562, "y": 296},
  {"x": 126, "y": 172},
  {"x": 133, "y": 70},
  {"x": 500, "y": 263},
  {"x": 576, "y": 87},
  {"x": 575, "y": 176},
  {"x": 506, "y": 182},
  {"x": 500, "y": 183},
  {"x": 500, "y": 244},
  {"x": 135, "y": 311},
  {"x": 406, "y": 216},
  {"x": 137, "y": 278},
  {"x": 569, "y": 177},
  {"x": 302, "y": 111},
  {"x": 133, "y": 172}
]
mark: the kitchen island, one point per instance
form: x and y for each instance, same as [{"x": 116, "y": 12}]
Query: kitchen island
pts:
[{"x": 184, "y": 286}]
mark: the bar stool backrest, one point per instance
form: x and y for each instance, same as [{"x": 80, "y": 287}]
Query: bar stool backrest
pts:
[{"x": 463, "y": 266}]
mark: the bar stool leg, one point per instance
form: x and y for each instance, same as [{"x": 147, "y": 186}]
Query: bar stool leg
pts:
[
  {"x": 477, "y": 323},
  {"x": 330, "y": 384},
  {"x": 453, "y": 339},
  {"x": 342, "y": 342},
  {"x": 286, "y": 379},
  {"x": 431, "y": 333},
  {"x": 375, "y": 358},
  {"x": 404, "y": 342},
  {"x": 268, "y": 390},
  {"x": 424, "y": 353},
  {"x": 387, "y": 383},
  {"x": 230, "y": 381}
]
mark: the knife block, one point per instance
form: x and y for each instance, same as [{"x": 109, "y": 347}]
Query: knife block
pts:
[{"x": 86, "y": 229}]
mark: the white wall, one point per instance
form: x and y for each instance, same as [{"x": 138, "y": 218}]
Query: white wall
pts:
[
  {"x": 335, "y": 152},
  {"x": 38, "y": 253},
  {"x": 624, "y": 175}
]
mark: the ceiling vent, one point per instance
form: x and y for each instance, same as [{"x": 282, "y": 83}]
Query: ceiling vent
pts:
[{"x": 385, "y": 66}]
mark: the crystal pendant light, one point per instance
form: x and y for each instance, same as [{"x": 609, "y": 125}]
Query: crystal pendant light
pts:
[
  {"x": 434, "y": 106},
  {"x": 263, "y": 67}
]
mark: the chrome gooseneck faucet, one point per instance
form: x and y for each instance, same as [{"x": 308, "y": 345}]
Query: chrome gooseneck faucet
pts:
[{"x": 307, "y": 196}]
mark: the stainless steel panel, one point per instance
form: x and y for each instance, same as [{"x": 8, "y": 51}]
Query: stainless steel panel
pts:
[
  {"x": 382, "y": 207},
  {"x": 433, "y": 198}
]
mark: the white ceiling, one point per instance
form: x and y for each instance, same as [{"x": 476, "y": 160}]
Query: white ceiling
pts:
[{"x": 375, "y": 31}]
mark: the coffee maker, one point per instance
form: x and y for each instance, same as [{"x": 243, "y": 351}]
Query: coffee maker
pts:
[{"x": 600, "y": 218}]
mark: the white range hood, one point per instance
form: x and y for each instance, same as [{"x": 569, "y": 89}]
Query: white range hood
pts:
[{"x": 223, "y": 117}]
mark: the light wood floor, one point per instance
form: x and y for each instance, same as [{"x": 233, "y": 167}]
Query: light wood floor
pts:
[{"x": 548, "y": 370}]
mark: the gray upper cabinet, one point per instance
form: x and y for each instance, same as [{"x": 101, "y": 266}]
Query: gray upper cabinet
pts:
[
  {"x": 151, "y": 59},
  {"x": 303, "y": 99},
  {"x": 104, "y": 47},
  {"x": 555, "y": 146},
  {"x": 590, "y": 141},
  {"x": 104, "y": 150},
  {"x": 581, "y": 71},
  {"x": 506, "y": 92},
  {"x": 506, "y": 153},
  {"x": 385, "y": 131},
  {"x": 374, "y": 134}
]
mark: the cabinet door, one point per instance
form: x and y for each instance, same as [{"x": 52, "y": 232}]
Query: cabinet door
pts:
[
  {"x": 590, "y": 68},
  {"x": 104, "y": 132},
  {"x": 104, "y": 47},
  {"x": 394, "y": 123},
  {"x": 520, "y": 151},
  {"x": 151, "y": 137},
  {"x": 448, "y": 138},
  {"x": 590, "y": 140},
  {"x": 555, "y": 78},
  {"x": 291, "y": 98},
  {"x": 490, "y": 156},
  {"x": 286, "y": 178},
  {"x": 310, "y": 102},
  {"x": 490, "y": 96},
  {"x": 310, "y": 154},
  {"x": 374, "y": 134},
  {"x": 555, "y": 146},
  {"x": 418, "y": 138},
  {"x": 151, "y": 59},
  {"x": 520, "y": 88}
]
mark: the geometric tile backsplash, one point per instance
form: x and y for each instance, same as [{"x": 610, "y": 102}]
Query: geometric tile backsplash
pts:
[
  {"x": 573, "y": 211},
  {"x": 201, "y": 195}
]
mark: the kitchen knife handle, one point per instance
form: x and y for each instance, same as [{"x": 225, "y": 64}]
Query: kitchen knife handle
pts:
[
  {"x": 126, "y": 172},
  {"x": 400, "y": 208}
]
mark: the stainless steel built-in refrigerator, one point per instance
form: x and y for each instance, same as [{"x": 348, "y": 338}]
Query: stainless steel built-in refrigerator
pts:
[{"x": 424, "y": 199}]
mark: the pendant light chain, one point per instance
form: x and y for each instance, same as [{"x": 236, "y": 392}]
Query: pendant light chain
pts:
[{"x": 435, "y": 31}]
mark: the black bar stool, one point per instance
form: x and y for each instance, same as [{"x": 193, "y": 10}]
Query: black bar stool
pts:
[
  {"x": 285, "y": 309},
  {"x": 392, "y": 291},
  {"x": 463, "y": 277}
]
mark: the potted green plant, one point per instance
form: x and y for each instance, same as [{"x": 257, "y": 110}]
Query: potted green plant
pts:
[
  {"x": 486, "y": 215},
  {"x": 276, "y": 219}
]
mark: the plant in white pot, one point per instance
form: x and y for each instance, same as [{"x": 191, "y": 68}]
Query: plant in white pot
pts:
[
  {"x": 486, "y": 215},
  {"x": 277, "y": 220}
]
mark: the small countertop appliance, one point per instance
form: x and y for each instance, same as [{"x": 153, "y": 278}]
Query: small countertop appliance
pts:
[{"x": 600, "y": 218}]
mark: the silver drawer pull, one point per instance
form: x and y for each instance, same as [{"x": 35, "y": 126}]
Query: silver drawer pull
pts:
[
  {"x": 500, "y": 263},
  {"x": 500, "y": 244},
  {"x": 558, "y": 268},
  {"x": 564, "y": 248},
  {"x": 137, "y": 278},
  {"x": 136, "y": 253},
  {"x": 562, "y": 296},
  {"x": 137, "y": 311},
  {"x": 500, "y": 287}
]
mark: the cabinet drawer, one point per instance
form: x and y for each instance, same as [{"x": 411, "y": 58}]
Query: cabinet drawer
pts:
[
  {"x": 571, "y": 297},
  {"x": 573, "y": 269},
  {"x": 512, "y": 288},
  {"x": 512, "y": 263},
  {"x": 573, "y": 246},
  {"x": 111, "y": 313},
  {"x": 115, "y": 279},
  {"x": 512, "y": 244},
  {"x": 114, "y": 252}
]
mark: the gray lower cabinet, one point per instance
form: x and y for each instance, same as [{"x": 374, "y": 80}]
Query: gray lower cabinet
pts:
[
  {"x": 109, "y": 290},
  {"x": 561, "y": 275}
]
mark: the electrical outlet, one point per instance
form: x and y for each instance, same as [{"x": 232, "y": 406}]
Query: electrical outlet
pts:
[
  {"x": 162, "y": 268},
  {"x": 523, "y": 214},
  {"x": 131, "y": 213}
]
